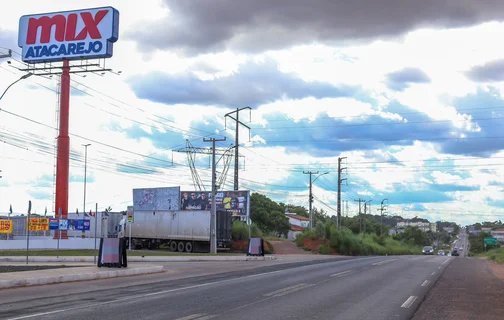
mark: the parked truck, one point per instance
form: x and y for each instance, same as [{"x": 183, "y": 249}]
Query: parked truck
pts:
[{"x": 182, "y": 231}]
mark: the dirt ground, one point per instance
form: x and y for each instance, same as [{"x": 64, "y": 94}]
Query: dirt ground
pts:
[
  {"x": 468, "y": 290},
  {"x": 498, "y": 269},
  {"x": 287, "y": 247}
]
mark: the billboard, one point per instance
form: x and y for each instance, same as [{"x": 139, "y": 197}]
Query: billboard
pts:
[
  {"x": 38, "y": 224},
  {"x": 79, "y": 224},
  {"x": 6, "y": 226},
  {"x": 156, "y": 199},
  {"x": 77, "y": 34},
  {"x": 236, "y": 202}
]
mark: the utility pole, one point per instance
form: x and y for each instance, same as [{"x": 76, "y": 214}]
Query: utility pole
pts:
[
  {"x": 213, "y": 215},
  {"x": 339, "y": 190},
  {"x": 237, "y": 141},
  {"x": 360, "y": 212},
  {"x": 381, "y": 209},
  {"x": 365, "y": 212},
  {"x": 310, "y": 197}
]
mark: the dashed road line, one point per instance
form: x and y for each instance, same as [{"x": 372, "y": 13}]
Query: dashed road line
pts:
[
  {"x": 409, "y": 302},
  {"x": 425, "y": 283},
  {"x": 198, "y": 316},
  {"x": 341, "y": 273},
  {"x": 383, "y": 262},
  {"x": 433, "y": 273},
  {"x": 291, "y": 289}
]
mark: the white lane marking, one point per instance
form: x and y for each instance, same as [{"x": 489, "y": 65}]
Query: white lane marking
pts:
[
  {"x": 445, "y": 261},
  {"x": 425, "y": 283},
  {"x": 341, "y": 273},
  {"x": 383, "y": 262},
  {"x": 197, "y": 316},
  {"x": 433, "y": 273},
  {"x": 283, "y": 289},
  {"x": 210, "y": 316},
  {"x": 409, "y": 302},
  {"x": 291, "y": 289}
]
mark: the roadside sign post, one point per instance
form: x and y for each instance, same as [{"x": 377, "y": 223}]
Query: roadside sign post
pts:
[
  {"x": 59, "y": 231},
  {"x": 28, "y": 232},
  {"x": 96, "y": 231},
  {"x": 131, "y": 218},
  {"x": 488, "y": 241}
]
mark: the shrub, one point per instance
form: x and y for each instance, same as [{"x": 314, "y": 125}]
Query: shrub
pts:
[
  {"x": 307, "y": 234},
  {"x": 241, "y": 232},
  {"x": 324, "y": 249},
  {"x": 320, "y": 231}
]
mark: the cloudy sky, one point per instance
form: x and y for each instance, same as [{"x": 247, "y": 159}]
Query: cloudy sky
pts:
[{"x": 409, "y": 93}]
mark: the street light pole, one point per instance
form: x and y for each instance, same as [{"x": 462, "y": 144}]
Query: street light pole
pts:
[
  {"x": 85, "y": 181},
  {"x": 22, "y": 78},
  {"x": 310, "y": 197},
  {"x": 85, "y": 174}
]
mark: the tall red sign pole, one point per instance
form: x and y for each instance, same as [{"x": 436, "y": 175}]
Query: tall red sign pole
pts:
[{"x": 63, "y": 154}]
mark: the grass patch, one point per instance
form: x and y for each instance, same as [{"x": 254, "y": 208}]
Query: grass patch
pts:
[
  {"x": 496, "y": 255},
  {"x": 91, "y": 252}
]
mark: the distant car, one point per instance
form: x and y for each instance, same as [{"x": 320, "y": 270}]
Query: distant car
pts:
[
  {"x": 449, "y": 254},
  {"x": 461, "y": 249},
  {"x": 455, "y": 253},
  {"x": 428, "y": 250},
  {"x": 441, "y": 253}
]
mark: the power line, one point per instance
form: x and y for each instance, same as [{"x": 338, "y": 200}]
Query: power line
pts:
[{"x": 390, "y": 123}]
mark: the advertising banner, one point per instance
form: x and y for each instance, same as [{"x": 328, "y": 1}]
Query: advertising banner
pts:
[
  {"x": 156, "y": 199},
  {"x": 79, "y": 224},
  {"x": 6, "y": 226},
  {"x": 77, "y": 34},
  {"x": 236, "y": 202},
  {"x": 53, "y": 224},
  {"x": 38, "y": 224},
  {"x": 63, "y": 224}
]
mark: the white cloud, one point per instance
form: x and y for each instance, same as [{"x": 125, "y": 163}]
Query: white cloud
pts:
[{"x": 444, "y": 55}]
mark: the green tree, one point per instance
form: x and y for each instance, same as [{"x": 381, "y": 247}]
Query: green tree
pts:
[
  {"x": 414, "y": 236},
  {"x": 299, "y": 210},
  {"x": 268, "y": 215}
]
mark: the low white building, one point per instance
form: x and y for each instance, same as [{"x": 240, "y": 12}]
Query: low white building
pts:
[
  {"x": 424, "y": 226},
  {"x": 498, "y": 234},
  {"x": 298, "y": 225}
]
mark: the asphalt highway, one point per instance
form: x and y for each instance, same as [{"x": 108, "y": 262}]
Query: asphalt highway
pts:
[
  {"x": 461, "y": 242},
  {"x": 355, "y": 288}
]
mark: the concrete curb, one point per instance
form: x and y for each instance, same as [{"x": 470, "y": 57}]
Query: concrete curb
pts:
[
  {"x": 141, "y": 259},
  {"x": 26, "y": 282}
]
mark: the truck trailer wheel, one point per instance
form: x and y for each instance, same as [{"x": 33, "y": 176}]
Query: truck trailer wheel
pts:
[
  {"x": 188, "y": 246},
  {"x": 173, "y": 246},
  {"x": 180, "y": 246}
]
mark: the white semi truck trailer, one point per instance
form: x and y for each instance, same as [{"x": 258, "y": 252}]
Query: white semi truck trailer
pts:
[{"x": 182, "y": 230}]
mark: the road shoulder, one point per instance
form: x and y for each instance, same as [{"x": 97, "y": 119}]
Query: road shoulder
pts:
[{"x": 468, "y": 289}]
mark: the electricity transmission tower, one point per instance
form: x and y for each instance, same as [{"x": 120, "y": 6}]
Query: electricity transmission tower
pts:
[
  {"x": 226, "y": 155},
  {"x": 237, "y": 140}
]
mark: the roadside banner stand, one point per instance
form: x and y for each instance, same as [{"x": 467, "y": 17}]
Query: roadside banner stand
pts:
[
  {"x": 112, "y": 253},
  {"x": 255, "y": 247}
]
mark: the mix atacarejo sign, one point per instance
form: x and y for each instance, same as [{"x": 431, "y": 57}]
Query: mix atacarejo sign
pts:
[{"x": 72, "y": 35}]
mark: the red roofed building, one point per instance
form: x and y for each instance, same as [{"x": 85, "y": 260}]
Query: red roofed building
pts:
[{"x": 298, "y": 225}]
